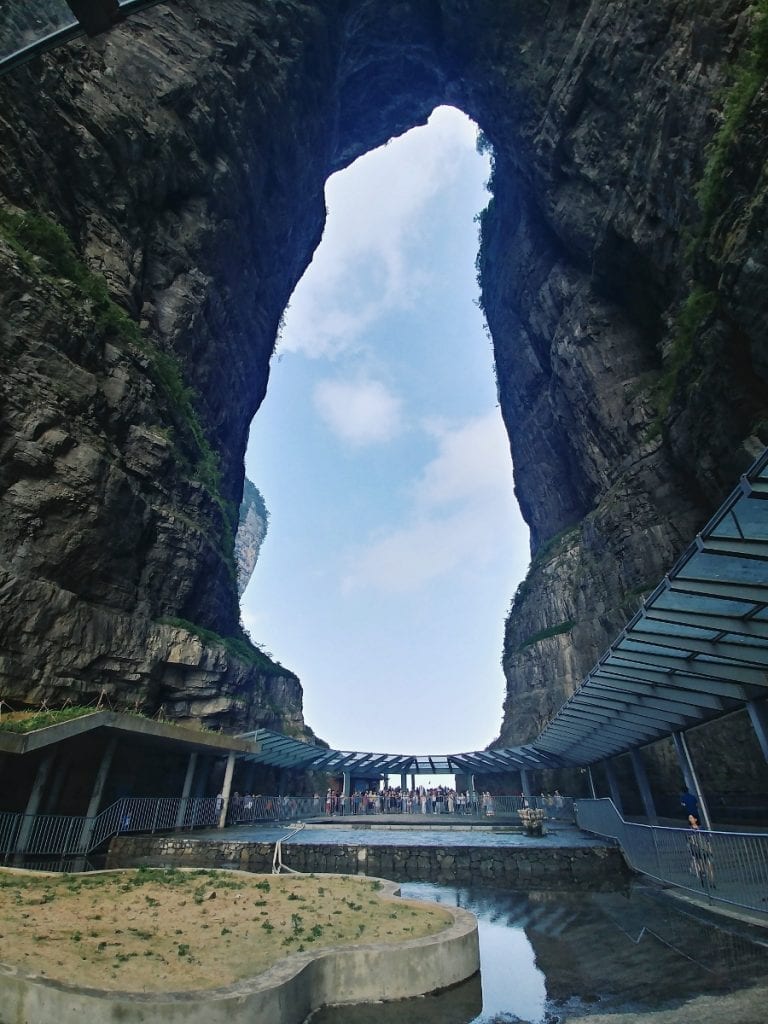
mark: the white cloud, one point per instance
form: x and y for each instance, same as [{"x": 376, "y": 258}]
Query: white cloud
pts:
[
  {"x": 374, "y": 215},
  {"x": 359, "y": 411},
  {"x": 463, "y": 514}
]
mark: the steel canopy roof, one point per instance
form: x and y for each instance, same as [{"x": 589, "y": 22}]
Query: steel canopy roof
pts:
[
  {"x": 285, "y": 752},
  {"x": 695, "y": 651}
]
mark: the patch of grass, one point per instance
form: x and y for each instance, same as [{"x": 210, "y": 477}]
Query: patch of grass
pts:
[
  {"x": 45, "y": 248},
  {"x": 748, "y": 76},
  {"x": 544, "y": 634},
  {"x": 238, "y": 647},
  {"x": 28, "y": 721},
  {"x": 695, "y": 311}
]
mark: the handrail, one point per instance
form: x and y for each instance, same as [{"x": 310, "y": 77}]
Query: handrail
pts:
[
  {"x": 727, "y": 867},
  {"x": 64, "y": 835}
]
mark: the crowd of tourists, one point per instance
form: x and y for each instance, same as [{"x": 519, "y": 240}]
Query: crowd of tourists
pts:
[
  {"x": 391, "y": 800},
  {"x": 394, "y": 800}
]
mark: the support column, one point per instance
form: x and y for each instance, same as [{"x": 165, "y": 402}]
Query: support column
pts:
[
  {"x": 641, "y": 777},
  {"x": 403, "y": 781},
  {"x": 525, "y": 786},
  {"x": 96, "y": 794},
  {"x": 413, "y": 781},
  {"x": 591, "y": 779},
  {"x": 690, "y": 776},
  {"x": 346, "y": 784},
  {"x": 758, "y": 715},
  {"x": 33, "y": 803},
  {"x": 186, "y": 790},
  {"x": 226, "y": 788},
  {"x": 613, "y": 785}
]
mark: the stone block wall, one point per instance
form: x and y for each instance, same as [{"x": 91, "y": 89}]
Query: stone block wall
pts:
[{"x": 512, "y": 866}]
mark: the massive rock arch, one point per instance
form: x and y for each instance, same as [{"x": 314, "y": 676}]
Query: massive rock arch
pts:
[{"x": 184, "y": 155}]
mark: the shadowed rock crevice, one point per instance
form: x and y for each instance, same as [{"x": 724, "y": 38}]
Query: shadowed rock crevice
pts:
[{"x": 185, "y": 155}]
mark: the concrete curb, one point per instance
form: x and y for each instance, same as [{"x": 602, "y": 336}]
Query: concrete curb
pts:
[{"x": 285, "y": 994}]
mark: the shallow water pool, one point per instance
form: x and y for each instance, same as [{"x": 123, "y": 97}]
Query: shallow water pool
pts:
[{"x": 551, "y": 957}]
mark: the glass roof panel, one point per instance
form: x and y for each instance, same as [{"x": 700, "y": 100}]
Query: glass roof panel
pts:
[
  {"x": 749, "y": 517},
  {"x": 704, "y": 566},
  {"x": 674, "y": 601},
  {"x": 628, "y": 645},
  {"x": 672, "y": 629},
  {"x": 21, "y": 25}
]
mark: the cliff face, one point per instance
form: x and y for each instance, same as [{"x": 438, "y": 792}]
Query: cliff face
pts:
[
  {"x": 251, "y": 531},
  {"x": 184, "y": 156}
]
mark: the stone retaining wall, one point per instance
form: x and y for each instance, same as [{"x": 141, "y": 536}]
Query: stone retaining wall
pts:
[{"x": 510, "y": 866}]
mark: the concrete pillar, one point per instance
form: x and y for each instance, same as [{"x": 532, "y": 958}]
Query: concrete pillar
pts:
[
  {"x": 591, "y": 780},
  {"x": 758, "y": 715},
  {"x": 96, "y": 794},
  {"x": 346, "y": 784},
  {"x": 641, "y": 777},
  {"x": 525, "y": 785},
  {"x": 413, "y": 781},
  {"x": 690, "y": 776},
  {"x": 403, "y": 781},
  {"x": 34, "y": 801},
  {"x": 613, "y": 785},
  {"x": 229, "y": 771},
  {"x": 186, "y": 790}
]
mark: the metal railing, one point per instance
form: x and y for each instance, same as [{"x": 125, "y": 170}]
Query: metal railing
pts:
[
  {"x": 288, "y": 807},
  {"x": 64, "y": 835},
  {"x": 731, "y": 867}
]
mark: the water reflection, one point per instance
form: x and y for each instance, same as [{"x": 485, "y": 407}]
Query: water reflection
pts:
[{"x": 548, "y": 957}]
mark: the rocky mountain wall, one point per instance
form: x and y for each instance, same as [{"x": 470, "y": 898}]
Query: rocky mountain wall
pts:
[
  {"x": 184, "y": 155},
  {"x": 251, "y": 531}
]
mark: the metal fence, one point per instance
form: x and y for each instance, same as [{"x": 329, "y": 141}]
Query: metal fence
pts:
[
  {"x": 77, "y": 835},
  {"x": 474, "y": 806},
  {"x": 731, "y": 867}
]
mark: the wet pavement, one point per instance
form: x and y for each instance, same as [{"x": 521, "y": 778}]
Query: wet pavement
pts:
[{"x": 388, "y": 832}]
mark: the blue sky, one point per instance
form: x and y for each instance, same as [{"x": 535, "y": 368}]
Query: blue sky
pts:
[{"x": 395, "y": 543}]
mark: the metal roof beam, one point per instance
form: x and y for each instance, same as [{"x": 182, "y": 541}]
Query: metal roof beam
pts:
[
  {"x": 746, "y": 654},
  {"x": 704, "y": 620},
  {"x": 666, "y": 704},
  {"x": 700, "y": 692},
  {"x": 612, "y": 719},
  {"x": 709, "y": 671},
  {"x": 583, "y": 744},
  {"x": 637, "y": 708},
  {"x": 627, "y": 732},
  {"x": 709, "y": 588},
  {"x": 740, "y": 548},
  {"x": 754, "y": 488}
]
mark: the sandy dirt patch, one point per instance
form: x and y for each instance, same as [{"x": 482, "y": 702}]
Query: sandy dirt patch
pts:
[{"x": 156, "y": 930}]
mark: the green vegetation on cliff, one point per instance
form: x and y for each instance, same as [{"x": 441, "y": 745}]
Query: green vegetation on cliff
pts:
[
  {"x": 748, "y": 76},
  {"x": 45, "y": 248},
  {"x": 237, "y": 646},
  {"x": 544, "y": 634}
]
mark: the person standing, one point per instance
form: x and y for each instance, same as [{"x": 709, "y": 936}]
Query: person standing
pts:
[{"x": 690, "y": 803}]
